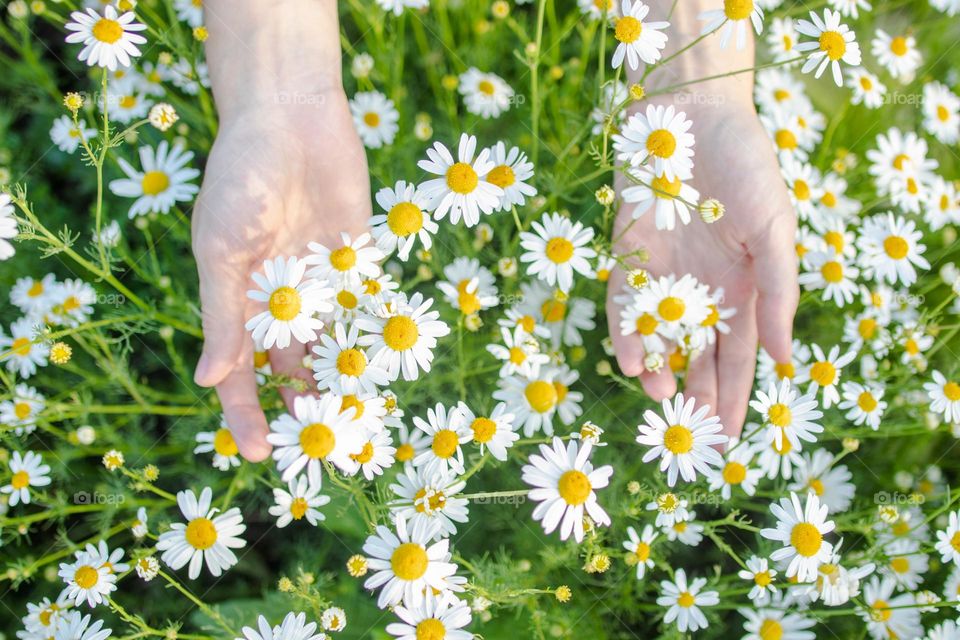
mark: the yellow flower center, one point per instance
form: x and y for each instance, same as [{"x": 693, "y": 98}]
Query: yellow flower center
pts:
[
  {"x": 106, "y": 30},
  {"x": 469, "y": 303},
  {"x": 646, "y": 324},
  {"x": 461, "y": 178},
  {"x": 405, "y": 452},
  {"x": 541, "y": 395},
  {"x": 404, "y": 219},
  {"x": 943, "y": 114},
  {"x": 20, "y": 480},
  {"x": 867, "y": 402},
  {"x": 900, "y": 565},
  {"x": 485, "y": 87},
  {"x": 347, "y": 299},
  {"x": 806, "y": 539},
  {"x": 154, "y": 182},
  {"x": 678, "y": 439},
  {"x": 737, "y": 9},
  {"x": 553, "y": 311},
  {"x": 785, "y": 446},
  {"x": 770, "y": 629},
  {"x": 816, "y": 485},
  {"x": 896, "y": 247},
  {"x": 343, "y": 258},
  {"x": 899, "y": 46},
  {"x": 574, "y": 487},
  {"x": 666, "y": 189},
  {"x": 21, "y": 410},
  {"x": 483, "y": 429},
  {"x": 834, "y": 239},
  {"x": 866, "y": 83},
  {"x": 502, "y": 176},
  {"x": 952, "y": 391},
  {"x": 517, "y": 355},
  {"x": 298, "y": 508},
  {"x": 434, "y": 503},
  {"x": 801, "y": 190},
  {"x": 712, "y": 318},
  {"x": 661, "y": 143},
  {"x": 880, "y": 611},
  {"x": 785, "y": 370},
  {"x": 785, "y": 139},
  {"x": 285, "y": 303},
  {"x": 832, "y": 271},
  {"x": 686, "y": 600},
  {"x": 445, "y": 443},
  {"x": 351, "y": 362},
  {"x": 671, "y": 308},
  {"x": 781, "y": 94},
  {"x": 431, "y": 629},
  {"x": 350, "y": 401},
  {"x": 223, "y": 443},
  {"x": 21, "y": 346},
  {"x": 955, "y": 541},
  {"x": 561, "y": 390},
  {"x": 834, "y": 44},
  {"x": 409, "y": 561},
  {"x": 628, "y": 29},
  {"x": 371, "y": 119},
  {"x": 762, "y": 578},
  {"x": 734, "y": 473},
  {"x": 900, "y": 162},
  {"x": 86, "y": 577},
  {"x": 200, "y": 533},
  {"x": 317, "y": 440},
  {"x": 823, "y": 373},
  {"x": 400, "y": 333},
  {"x": 867, "y": 328},
  {"x": 559, "y": 250},
  {"x": 371, "y": 287},
  {"x": 365, "y": 455},
  {"x": 779, "y": 415},
  {"x": 128, "y": 102}
]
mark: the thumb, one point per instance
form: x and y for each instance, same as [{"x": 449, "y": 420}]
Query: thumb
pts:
[{"x": 222, "y": 307}]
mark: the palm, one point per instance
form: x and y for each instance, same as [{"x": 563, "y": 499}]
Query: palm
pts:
[{"x": 748, "y": 253}]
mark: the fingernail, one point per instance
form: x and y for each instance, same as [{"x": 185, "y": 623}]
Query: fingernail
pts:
[{"x": 202, "y": 371}]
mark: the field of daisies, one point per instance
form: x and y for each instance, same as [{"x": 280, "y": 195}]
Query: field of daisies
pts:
[{"x": 468, "y": 459}]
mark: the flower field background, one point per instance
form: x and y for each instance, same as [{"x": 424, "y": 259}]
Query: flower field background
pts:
[{"x": 100, "y": 330}]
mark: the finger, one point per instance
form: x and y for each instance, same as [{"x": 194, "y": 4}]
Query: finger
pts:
[
  {"x": 736, "y": 361},
  {"x": 702, "y": 378},
  {"x": 289, "y": 362},
  {"x": 241, "y": 409},
  {"x": 223, "y": 302},
  {"x": 628, "y": 349},
  {"x": 659, "y": 385},
  {"x": 775, "y": 271}
]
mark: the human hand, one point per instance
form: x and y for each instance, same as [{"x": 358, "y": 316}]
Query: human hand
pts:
[
  {"x": 278, "y": 176},
  {"x": 749, "y": 252}
]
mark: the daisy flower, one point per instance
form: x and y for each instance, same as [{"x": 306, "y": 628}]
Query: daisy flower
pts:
[
  {"x": 90, "y": 577},
  {"x": 759, "y": 573},
  {"x": 637, "y": 40},
  {"x": 292, "y": 301},
  {"x": 897, "y": 54},
  {"x": 73, "y": 301},
  {"x": 447, "y": 431},
  {"x": 376, "y": 455},
  {"x": 942, "y": 204},
  {"x": 21, "y": 410},
  {"x": 890, "y": 249},
  {"x": 789, "y": 415},
  {"x": 867, "y": 88},
  {"x": 950, "y": 7},
  {"x": 824, "y": 373},
  {"x": 907, "y": 565},
  {"x": 683, "y": 440},
  {"x": 683, "y": 601},
  {"x": 45, "y": 616},
  {"x": 190, "y": 11},
  {"x": 366, "y": 412},
  {"x": 532, "y": 400},
  {"x": 410, "y": 442},
  {"x": 510, "y": 172},
  {"x": 670, "y": 199},
  {"x": 782, "y": 39},
  {"x": 520, "y": 353},
  {"x": 301, "y": 500},
  {"x": 563, "y": 316},
  {"x": 565, "y": 485},
  {"x": 660, "y": 137},
  {"x": 205, "y": 537},
  {"x": 670, "y": 509},
  {"x": 484, "y": 94},
  {"x": 433, "y": 619},
  {"x": 126, "y": 103},
  {"x": 469, "y": 287},
  {"x": 293, "y": 627},
  {"x": 404, "y": 341},
  {"x": 733, "y": 18},
  {"x": 375, "y": 118},
  {"x": 108, "y": 40},
  {"x": 639, "y": 547},
  {"x": 26, "y": 471},
  {"x": 864, "y": 402},
  {"x": 494, "y": 432},
  {"x": 675, "y": 303},
  {"x": 766, "y": 623},
  {"x": 8, "y": 227},
  {"x": 76, "y": 626},
  {"x": 800, "y": 529},
  {"x": 221, "y": 444},
  {"x": 736, "y": 471},
  {"x": 887, "y": 615},
  {"x": 833, "y": 43},
  {"x": 832, "y": 273},
  {"x": 342, "y": 366},
  {"x": 463, "y": 190},
  {"x": 406, "y": 564},
  {"x": 67, "y": 135},
  {"x": 941, "y": 112},
  {"x": 686, "y": 531},
  {"x": 405, "y": 220},
  {"x": 33, "y": 296},
  {"x": 163, "y": 180},
  {"x": 557, "y": 249},
  {"x": 597, "y": 9},
  {"x": 352, "y": 261},
  {"x": 831, "y": 483},
  {"x": 316, "y": 431},
  {"x": 431, "y": 496},
  {"x": 898, "y": 158},
  {"x": 948, "y": 540}
]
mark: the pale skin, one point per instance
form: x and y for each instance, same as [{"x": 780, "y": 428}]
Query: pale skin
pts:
[{"x": 287, "y": 167}]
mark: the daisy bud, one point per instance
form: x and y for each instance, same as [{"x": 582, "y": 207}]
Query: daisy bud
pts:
[
  {"x": 538, "y": 202},
  {"x": 607, "y": 344},
  {"x": 357, "y": 566},
  {"x": 38, "y": 7},
  {"x": 200, "y": 34},
  {"x": 166, "y": 332},
  {"x": 926, "y": 599},
  {"x": 563, "y": 593},
  {"x": 851, "y": 444},
  {"x": 888, "y": 513},
  {"x": 285, "y": 585},
  {"x": 423, "y": 131},
  {"x": 638, "y": 279},
  {"x": 424, "y": 272},
  {"x": 86, "y": 435},
  {"x": 480, "y": 604},
  {"x": 711, "y": 210},
  {"x": 653, "y": 361},
  {"x": 637, "y": 92},
  {"x": 556, "y": 72},
  {"x": 605, "y": 195},
  {"x": 949, "y": 235},
  {"x": 73, "y": 101},
  {"x": 151, "y": 473},
  {"x": 162, "y": 116},
  {"x": 334, "y": 619},
  {"x": 165, "y": 58},
  {"x": 112, "y": 460},
  {"x": 484, "y": 233},
  {"x": 60, "y": 353},
  {"x": 500, "y": 9},
  {"x": 531, "y": 50},
  {"x": 482, "y": 27},
  {"x": 148, "y": 568},
  {"x": 18, "y": 9},
  {"x": 126, "y": 5},
  {"x": 507, "y": 267},
  {"x": 449, "y": 82},
  {"x": 633, "y": 487},
  {"x": 361, "y": 65},
  {"x": 524, "y": 566},
  {"x": 577, "y": 354},
  {"x": 473, "y": 322},
  {"x": 604, "y": 368},
  {"x": 903, "y": 480}
]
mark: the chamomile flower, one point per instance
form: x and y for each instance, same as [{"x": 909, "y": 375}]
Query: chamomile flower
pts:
[
  {"x": 109, "y": 40},
  {"x": 34, "y": 296},
  {"x": 761, "y": 575},
  {"x": 804, "y": 185},
  {"x": 669, "y": 199},
  {"x": 565, "y": 484},
  {"x": 433, "y": 619},
  {"x": 597, "y": 9},
  {"x": 683, "y": 439},
  {"x": 45, "y": 616},
  {"x": 494, "y": 432},
  {"x": 469, "y": 287},
  {"x": 293, "y": 627},
  {"x": 782, "y": 39},
  {"x": 366, "y": 412},
  {"x": 532, "y": 400},
  {"x": 829, "y": 481},
  {"x": 832, "y": 44},
  {"x": 942, "y": 204},
  {"x": 205, "y": 538},
  {"x": 831, "y": 273},
  {"x": 898, "y": 158},
  {"x": 887, "y": 615},
  {"x": 511, "y": 172},
  {"x": 406, "y": 220},
  {"x": 67, "y": 135},
  {"x": 732, "y": 21},
  {"x": 72, "y": 302},
  {"x": 126, "y": 103},
  {"x": 660, "y": 138},
  {"x": 351, "y": 261},
  {"x": 375, "y": 118},
  {"x": 639, "y": 547},
  {"x": 907, "y": 565},
  {"x": 941, "y": 112},
  {"x": 556, "y": 249},
  {"x": 520, "y": 353},
  {"x": 301, "y": 500},
  {"x": 867, "y": 88},
  {"x": 316, "y": 431},
  {"x": 770, "y": 622},
  {"x": 376, "y": 455},
  {"x": 410, "y": 442},
  {"x": 342, "y": 366},
  {"x": 563, "y": 316},
  {"x": 8, "y": 227},
  {"x": 26, "y": 471},
  {"x": 788, "y": 414},
  {"x": 670, "y": 509},
  {"x": 20, "y": 412},
  {"x": 447, "y": 431},
  {"x": 90, "y": 577},
  {"x": 770, "y": 371},
  {"x": 292, "y": 301},
  {"x": 824, "y": 372},
  {"x": 76, "y": 626},
  {"x": 637, "y": 39},
  {"x": 897, "y": 54},
  {"x": 948, "y": 540},
  {"x": 221, "y": 444},
  {"x": 406, "y": 564},
  {"x": 890, "y": 249},
  {"x": 675, "y": 303},
  {"x": 686, "y": 531},
  {"x": 736, "y": 471},
  {"x": 484, "y": 94},
  {"x": 463, "y": 190},
  {"x": 800, "y": 529},
  {"x": 403, "y": 342},
  {"x": 683, "y": 600},
  {"x": 164, "y": 179},
  {"x": 864, "y": 402},
  {"x": 432, "y": 496}
]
